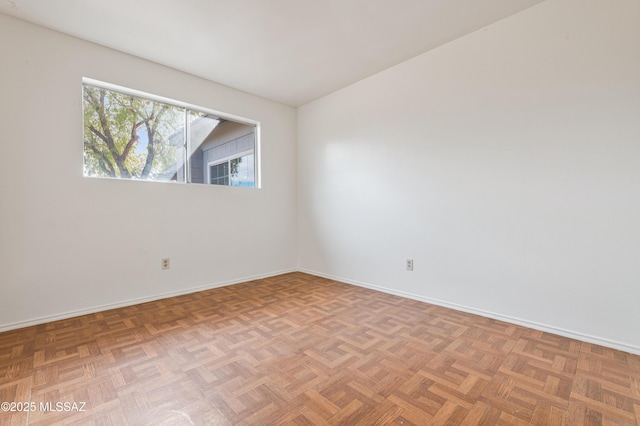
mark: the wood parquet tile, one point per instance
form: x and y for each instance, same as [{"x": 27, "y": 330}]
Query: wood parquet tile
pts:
[{"x": 298, "y": 349}]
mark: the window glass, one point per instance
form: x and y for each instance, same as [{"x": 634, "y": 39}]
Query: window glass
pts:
[
  {"x": 242, "y": 171},
  {"x": 220, "y": 174}
]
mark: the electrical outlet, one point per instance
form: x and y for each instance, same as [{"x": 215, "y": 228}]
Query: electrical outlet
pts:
[
  {"x": 166, "y": 263},
  {"x": 409, "y": 265}
]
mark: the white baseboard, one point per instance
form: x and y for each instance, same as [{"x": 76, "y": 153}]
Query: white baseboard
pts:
[
  {"x": 121, "y": 304},
  {"x": 513, "y": 320}
]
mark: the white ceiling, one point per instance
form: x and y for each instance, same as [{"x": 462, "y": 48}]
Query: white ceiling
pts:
[{"x": 290, "y": 51}]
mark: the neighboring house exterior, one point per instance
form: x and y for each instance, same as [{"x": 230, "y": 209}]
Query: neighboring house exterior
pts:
[{"x": 222, "y": 152}]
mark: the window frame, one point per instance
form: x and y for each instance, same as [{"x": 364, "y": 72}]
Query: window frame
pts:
[{"x": 187, "y": 107}]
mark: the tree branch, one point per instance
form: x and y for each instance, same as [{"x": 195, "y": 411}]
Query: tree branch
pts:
[
  {"x": 103, "y": 160},
  {"x": 98, "y": 134},
  {"x": 134, "y": 137},
  {"x": 151, "y": 133}
]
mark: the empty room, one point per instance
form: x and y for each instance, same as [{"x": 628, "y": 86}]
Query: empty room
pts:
[{"x": 342, "y": 212}]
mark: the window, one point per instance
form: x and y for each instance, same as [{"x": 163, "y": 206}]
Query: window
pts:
[
  {"x": 131, "y": 135},
  {"x": 219, "y": 174},
  {"x": 235, "y": 171}
]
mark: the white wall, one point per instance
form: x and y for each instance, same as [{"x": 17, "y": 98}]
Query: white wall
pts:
[
  {"x": 70, "y": 244},
  {"x": 506, "y": 163}
]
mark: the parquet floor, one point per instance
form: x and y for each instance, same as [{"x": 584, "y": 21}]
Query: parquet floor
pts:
[{"x": 298, "y": 349}]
